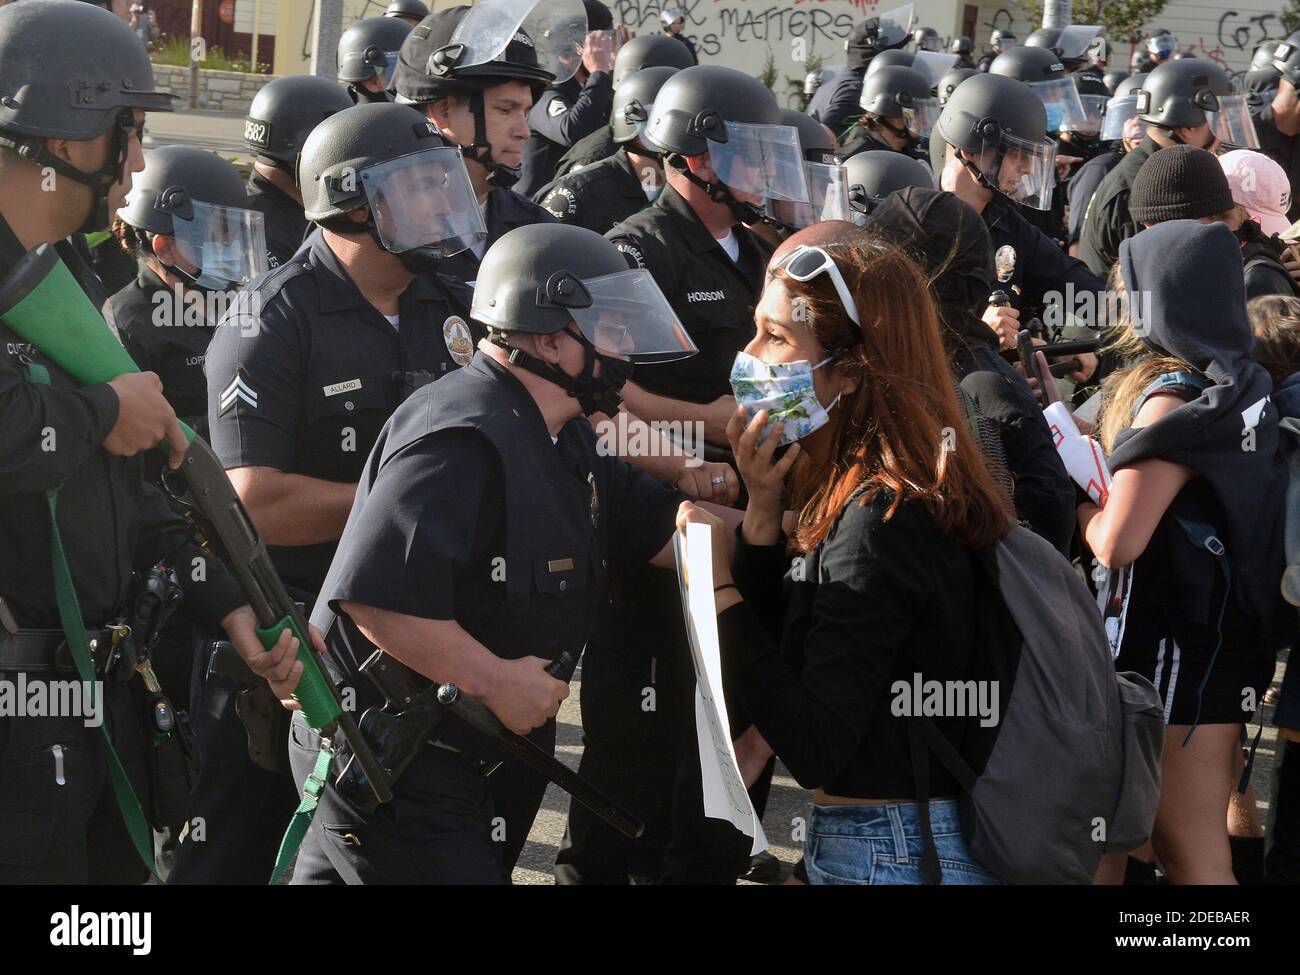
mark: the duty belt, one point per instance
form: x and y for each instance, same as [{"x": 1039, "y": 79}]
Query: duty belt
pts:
[{"x": 37, "y": 651}]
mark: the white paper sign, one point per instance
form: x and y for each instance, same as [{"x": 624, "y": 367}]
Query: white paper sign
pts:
[
  {"x": 1082, "y": 456},
  {"x": 725, "y": 796}
]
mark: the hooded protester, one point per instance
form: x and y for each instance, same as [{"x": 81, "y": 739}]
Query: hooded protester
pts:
[
  {"x": 950, "y": 242},
  {"x": 1191, "y": 528}
]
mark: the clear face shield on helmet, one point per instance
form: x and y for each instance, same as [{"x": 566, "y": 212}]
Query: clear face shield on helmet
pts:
[
  {"x": 1232, "y": 123},
  {"x": 1023, "y": 171},
  {"x": 1075, "y": 41},
  {"x": 897, "y": 22},
  {"x": 226, "y": 244},
  {"x": 1094, "y": 110},
  {"x": 1061, "y": 99},
  {"x": 828, "y": 191},
  {"x": 424, "y": 200},
  {"x": 933, "y": 65},
  {"x": 921, "y": 116},
  {"x": 1118, "y": 112},
  {"x": 761, "y": 161},
  {"x": 555, "y": 30},
  {"x": 629, "y": 318}
]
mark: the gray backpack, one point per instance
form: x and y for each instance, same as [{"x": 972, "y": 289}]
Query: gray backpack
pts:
[{"x": 1071, "y": 769}]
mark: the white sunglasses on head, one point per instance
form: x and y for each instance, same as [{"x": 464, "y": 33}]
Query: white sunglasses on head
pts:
[{"x": 806, "y": 262}]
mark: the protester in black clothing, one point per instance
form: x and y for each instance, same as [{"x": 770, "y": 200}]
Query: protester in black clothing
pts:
[
  {"x": 1188, "y": 510},
  {"x": 891, "y": 521},
  {"x": 949, "y": 241}
]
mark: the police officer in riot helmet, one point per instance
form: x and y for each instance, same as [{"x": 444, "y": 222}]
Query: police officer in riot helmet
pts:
[
  {"x": 499, "y": 468},
  {"x": 999, "y": 42},
  {"x": 964, "y": 48},
  {"x": 109, "y": 520},
  {"x": 1277, "y": 122},
  {"x": 367, "y": 56},
  {"x": 1181, "y": 102},
  {"x": 897, "y": 111},
  {"x": 280, "y": 118},
  {"x": 309, "y": 364},
  {"x": 926, "y": 39},
  {"x": 998, "y": 159},
  {"x": 411, "y": 11},
  {"x": 574, "y": 108},
  {"x": 477, "y": 88},
  {"x": 604, "y": 193},
  {"x": 646, "y": 51},
  {"x": 187, "y": 221},
  {"x": 949, "y": 82},
  {"x": 674, "y": 21}
]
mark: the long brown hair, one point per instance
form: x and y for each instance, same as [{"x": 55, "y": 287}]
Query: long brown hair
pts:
[
  {"x": 902, "y": 431},
  {"x": 1276, "y": 321}
]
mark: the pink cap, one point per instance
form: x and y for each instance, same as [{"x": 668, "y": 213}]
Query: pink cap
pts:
[{"x": 1260, "y": 185}]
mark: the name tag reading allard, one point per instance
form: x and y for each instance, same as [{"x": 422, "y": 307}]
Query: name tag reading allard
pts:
[{"x": 343, "y": 387}]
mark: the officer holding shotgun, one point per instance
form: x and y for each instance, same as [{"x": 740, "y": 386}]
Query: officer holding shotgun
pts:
[
  {"x": 66, "y": 815},
  {"x": 485, "y": 527}
]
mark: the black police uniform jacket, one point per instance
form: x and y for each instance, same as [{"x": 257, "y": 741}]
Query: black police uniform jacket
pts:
[
  {"x": 1041, "y": 267},
  {"x": 304, "y": 372},
  {"x": 587, "y": 150},
  {"x": 112, "y": 521},
  {"x": 1283, "y": 150},
  {"x": 597, "y": 197},
  {"x": 282, "y": 217},
  {"x": 563, "y": 115},
  {"x": 467, "y": 510},
  {"x": 504, "y": 210},
  {"x": 836, "y": 102},
  {"x": 1107, "y": 221},
  {"x": 712, "y": 295},
  {"x": 166, "y": 331}
]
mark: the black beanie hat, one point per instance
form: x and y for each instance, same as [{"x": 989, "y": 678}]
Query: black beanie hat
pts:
[{"x": 1179, "y": 183}]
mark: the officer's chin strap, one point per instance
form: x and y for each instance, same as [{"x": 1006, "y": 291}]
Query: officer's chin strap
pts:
[
  {"x": 594, "y": 394},
  {"x": 480, "y": 150},
  {"x": 100, "y": 180},
  {"x": 896, "y": 131},
  {"x": 718, "y": 192},
  {"x": 978, "y": 174}
]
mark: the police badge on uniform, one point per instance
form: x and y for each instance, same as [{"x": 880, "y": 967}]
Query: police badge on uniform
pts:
[
  {"x": 459, "y": 342},
  {"x": 1005, "y": 262}
]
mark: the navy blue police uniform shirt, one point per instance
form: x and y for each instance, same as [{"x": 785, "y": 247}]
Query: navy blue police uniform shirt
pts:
[
  {"x": 303, "y": 373},
  {"x": 599, "y": 196},
  {"x": 1041, "y": 267},
  {"x": 503, "y": 211},
  {"x": 563, "y": 114},
  {"x": 713, "y": 295},
  {"x": 429, "y": 532}
]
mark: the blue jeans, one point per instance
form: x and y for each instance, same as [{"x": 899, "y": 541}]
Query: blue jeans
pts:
[{"x": 882, "y": 845}]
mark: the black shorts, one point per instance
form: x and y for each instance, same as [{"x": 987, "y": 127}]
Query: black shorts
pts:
[{"x": 1231, "y": 695}]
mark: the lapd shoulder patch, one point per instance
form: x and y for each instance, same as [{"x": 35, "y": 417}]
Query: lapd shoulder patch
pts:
[
  {"x": 239, "y": 389},
  {"x": 631, "y": 252},
  {"x": 561, "y": 203},
  {"x": 455, "y": 333}
]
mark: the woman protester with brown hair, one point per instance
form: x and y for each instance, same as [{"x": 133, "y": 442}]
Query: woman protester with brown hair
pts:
[{"x": 892, "y": 501}]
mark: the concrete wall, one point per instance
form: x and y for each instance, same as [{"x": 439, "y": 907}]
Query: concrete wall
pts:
[{"x": 222, "y": 91}]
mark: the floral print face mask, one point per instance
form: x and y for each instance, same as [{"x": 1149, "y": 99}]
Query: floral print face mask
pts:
[{"x": 785, "y": 390}]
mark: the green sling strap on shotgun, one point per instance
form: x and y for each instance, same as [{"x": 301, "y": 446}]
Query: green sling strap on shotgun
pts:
[
  {"x": 41, "y": 302},
  {"x": 74, "y": 631},
  {"x": 302, "y": 816}
]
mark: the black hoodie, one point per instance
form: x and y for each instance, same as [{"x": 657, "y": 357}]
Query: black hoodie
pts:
[
  {"x": 945, "y": 235},
  {"x": 1188, "y": 298}
]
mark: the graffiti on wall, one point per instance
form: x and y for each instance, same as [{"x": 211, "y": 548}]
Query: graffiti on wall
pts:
[{"x": 715, "y": 25}]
